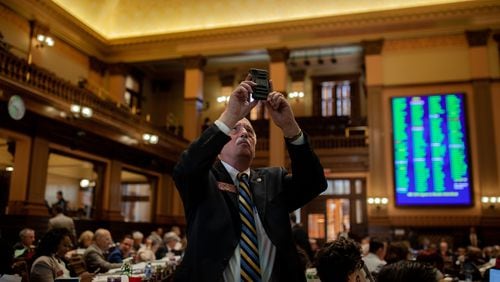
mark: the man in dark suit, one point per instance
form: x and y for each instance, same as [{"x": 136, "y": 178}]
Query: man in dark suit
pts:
[{"x": 210, "y": 191}]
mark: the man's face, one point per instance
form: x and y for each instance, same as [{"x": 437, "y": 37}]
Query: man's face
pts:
[
  {"x": 242, "y": 144},
  {"x": 443, "y": 246},
  {"x": 104, "y": 241},
  {"x": 29, "y": 238},
  {"x": 126, "y": 245},
  {"x": 172, "y": 243}
]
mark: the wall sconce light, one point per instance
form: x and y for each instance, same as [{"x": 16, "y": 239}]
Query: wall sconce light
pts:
[
  {"x": 297, "y": 89},
  {"x": 222, "y": 99},
  {"x": 9, "y": 168},
  {"x": 491, "y": 201},
  {"x": 378, "y": 202},
  {"x": 225, "y": 93},
  {"x": 150, "y": 138},
  {"x": 44, "y": 40},
  {"x": 86, "y": 183},
  {"x": 296, "y": 95},
  {"x": 128, "y": 140},
  {"x": 78, "y": 110}
]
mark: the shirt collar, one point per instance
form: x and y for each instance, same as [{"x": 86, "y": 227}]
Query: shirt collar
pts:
[{"x": 233, "y": 172}]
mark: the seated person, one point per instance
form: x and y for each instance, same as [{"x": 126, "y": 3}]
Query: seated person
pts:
[
  {"x": 49, "y": 264},
  {"x": 408, "y": 271},
  {"x": 96, "y": 253},
  {"x": 147, "y": 253},
  {"x": 138, "y": 237},
  {"x": 24, "y": 249},
  {"x": 340, "y": 261},
  {"x": 122, "y": 251},
  {"x": 84, "y": 241},
  {"x": 397, "y": 251},
  {"x": 470, "y": 266},
  {"x": 170, "y": 241},
  {"x": 5, "y": 257},
  {"x": 374, "y": 260}
]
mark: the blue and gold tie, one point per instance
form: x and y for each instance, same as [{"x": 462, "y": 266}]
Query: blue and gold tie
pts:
[{"x": 249, "y": 250}]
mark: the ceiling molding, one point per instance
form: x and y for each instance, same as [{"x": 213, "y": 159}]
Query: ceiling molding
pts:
[{"x": 344, "y": 29}]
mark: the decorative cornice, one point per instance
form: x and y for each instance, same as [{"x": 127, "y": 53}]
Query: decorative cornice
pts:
[
  {"x": 97, "y": 65},
  {"x": 278, "y": 55},
  {"x": 62, "y": 25},
  {"x": 298, "y": 75},
  {"x": 372, "y": 47},
  {"x": 477, "y": 38},
  {"x": 118, "y": 69},
  {"x": 195, "y": 62},
  {"x": 423, "y": 43},
  {"x": 403, "y": 23}
]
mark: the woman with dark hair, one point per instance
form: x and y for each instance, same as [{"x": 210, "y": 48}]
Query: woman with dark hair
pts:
[
  {"x": 408, "y": 271},
  {"x": 397, "y": 251},
  {"x": 49, "y": 264},
  {"x": 340, "y": 261}
]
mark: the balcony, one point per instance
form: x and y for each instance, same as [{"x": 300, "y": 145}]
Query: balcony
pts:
[{"x": 48, "y": 99}]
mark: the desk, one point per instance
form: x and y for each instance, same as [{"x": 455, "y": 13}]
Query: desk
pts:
[{"x": 166, "y": 267}]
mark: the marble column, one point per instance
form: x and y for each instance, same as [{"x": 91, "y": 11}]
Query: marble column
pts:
[
  {"x": 378, "y": 186},
  {"x": 117, "y": 76},
  {"x": 37, "y": 178},
  {"x": 18, "y": 189},
  {"x": 279, "y": 75},
  {"x": 480, "y": 61},
  {"x": 108, "y": 199},
  {"x": 193, "y": 96}
]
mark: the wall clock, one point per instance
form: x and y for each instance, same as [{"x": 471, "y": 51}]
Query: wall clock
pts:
[{"x": 16, "y": 107}]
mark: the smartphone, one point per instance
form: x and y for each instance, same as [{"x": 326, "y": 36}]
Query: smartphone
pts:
[{"x": 262, "y": 89}]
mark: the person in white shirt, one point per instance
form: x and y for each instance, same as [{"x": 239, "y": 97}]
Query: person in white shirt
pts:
[{"x": 374, "y": 261}]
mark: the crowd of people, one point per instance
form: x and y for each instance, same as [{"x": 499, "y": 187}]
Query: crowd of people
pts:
[
  {"x": 344, "y": 259},
  {"x": 53, "y": 255},
  {"x": 239, "y": 222}
]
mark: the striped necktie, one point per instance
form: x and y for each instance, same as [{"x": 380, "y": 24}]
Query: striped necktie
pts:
[{"x": 249, "y": 250}]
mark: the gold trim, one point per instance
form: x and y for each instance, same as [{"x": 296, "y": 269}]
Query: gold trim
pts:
[{"x": 402, "y": 23}]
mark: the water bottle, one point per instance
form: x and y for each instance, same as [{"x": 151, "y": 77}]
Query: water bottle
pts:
[{"x": 148, "y": 271}]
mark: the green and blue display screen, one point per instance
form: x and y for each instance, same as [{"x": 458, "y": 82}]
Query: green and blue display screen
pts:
[{"x": 430, "y": 150}]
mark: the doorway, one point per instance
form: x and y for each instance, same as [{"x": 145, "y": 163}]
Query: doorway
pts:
[{"x": 339, "y": 211}]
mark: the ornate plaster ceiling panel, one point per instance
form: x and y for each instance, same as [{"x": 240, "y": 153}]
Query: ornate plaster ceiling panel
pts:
[{"x": 116, "y": 19}]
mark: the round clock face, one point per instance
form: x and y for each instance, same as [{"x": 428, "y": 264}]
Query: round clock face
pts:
[{"x": 16, "y": 107}]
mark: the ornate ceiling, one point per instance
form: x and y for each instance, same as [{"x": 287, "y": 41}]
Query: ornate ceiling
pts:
[
  {"x": 115, "y": 19},
  {"x": 135, "y": 31}
]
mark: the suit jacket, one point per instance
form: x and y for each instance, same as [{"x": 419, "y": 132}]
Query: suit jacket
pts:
[
  {"x": 94, "y": 259},
  {"x": 211, "y": 210}
]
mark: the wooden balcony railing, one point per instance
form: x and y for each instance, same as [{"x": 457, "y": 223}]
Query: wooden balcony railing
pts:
[
  {"x": 325, "y": 142},
  {"x": 110, "y": 119},
  {"x": 18, "y": 69},
  {"x": 324, "y": 132}
]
